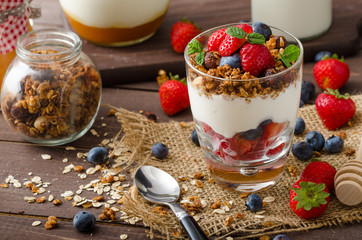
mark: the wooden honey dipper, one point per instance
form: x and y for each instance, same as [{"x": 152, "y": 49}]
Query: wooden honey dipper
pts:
[{"x": 348, "y": 181}]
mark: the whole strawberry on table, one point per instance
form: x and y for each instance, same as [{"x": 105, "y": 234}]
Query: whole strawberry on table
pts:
[{"x": 181, "y": 34}]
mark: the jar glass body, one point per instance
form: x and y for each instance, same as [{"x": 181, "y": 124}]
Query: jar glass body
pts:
[
  {"x": 115, "y": 22},
  {"x": 51, "y": 91}
]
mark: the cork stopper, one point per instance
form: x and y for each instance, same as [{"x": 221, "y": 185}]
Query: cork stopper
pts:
[{"x": 348, "y": 181}]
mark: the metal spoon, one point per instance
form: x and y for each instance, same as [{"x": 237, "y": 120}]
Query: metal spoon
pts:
[{"x": 160, "y": 187}]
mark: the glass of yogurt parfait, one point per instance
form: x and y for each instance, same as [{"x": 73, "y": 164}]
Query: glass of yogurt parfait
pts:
[{"x": 244, "y": 96}]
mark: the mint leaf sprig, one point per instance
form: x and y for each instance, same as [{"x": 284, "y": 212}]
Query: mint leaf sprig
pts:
[
  {"x": 289, "y": 55},
  {"x": 196, "y": 47},
  {"x": 253, "y": 38}
]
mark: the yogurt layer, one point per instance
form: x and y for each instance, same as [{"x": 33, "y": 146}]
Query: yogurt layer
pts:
[
  {"x": 114, "y": 13},
  {"x": 228, "y": 116}
]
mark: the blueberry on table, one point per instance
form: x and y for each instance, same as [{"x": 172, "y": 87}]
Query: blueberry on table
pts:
[
  {"x": 333, "y": 144},
  {"x": 320, "y": 55},
  {"x": 233, "y": 60},
  {"x": 307, "y": 91},
  {"x": 281, "y": 237},
  {"x": 299, "y": 126},
  {"x": 303, "y": 151},
  {"x": 301, "y": 103},
  {"x": 97, "y": 155},
  {"x": 84, "y": 221},
  {"x": 160, "y": 150},
  {"x": 315, "y": 139},
  {"x": 194, "y": 138},
  {"x": 263, "y": 29},
  {"x": 254, "y": 203}
]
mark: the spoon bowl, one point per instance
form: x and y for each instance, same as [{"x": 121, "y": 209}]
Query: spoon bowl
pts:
[{"x": 157, "y": 186}]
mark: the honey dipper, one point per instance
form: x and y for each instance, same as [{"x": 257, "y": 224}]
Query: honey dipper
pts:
[{"x": 348, "y": 181}]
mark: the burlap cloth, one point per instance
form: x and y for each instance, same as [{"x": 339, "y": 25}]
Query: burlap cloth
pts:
[{"x": 185, "y": 159}]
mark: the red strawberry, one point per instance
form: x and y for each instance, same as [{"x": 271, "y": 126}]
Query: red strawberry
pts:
[
  {"x": 216, "y": 39},
  {"x": 174, "y": 97},
  {"x": 181, "y": 34},
  {"x": 230, "y": 44},
  {"x": 272, "y": 130},
  {"x": 256, "y": 58},
  {"x": 308, "y": 200},
  {"x": 331, "y": 73},
  {"x": 334, "y": 109},
  {"x": 320, "y": 172}
]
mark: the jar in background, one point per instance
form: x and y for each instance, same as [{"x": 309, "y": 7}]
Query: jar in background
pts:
[
  {"x": 51, "y": 92},
  {"x": 14, "y": 21},
  {"x": 115, "y": 22},
  {"x": 305, "y": 19}
]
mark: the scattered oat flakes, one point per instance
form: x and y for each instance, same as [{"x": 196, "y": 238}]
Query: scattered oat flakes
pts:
[
  {"x": 229, "y": 238},
  {"x": 80, "y": 155},
  {"x": 46, "y": 156},
  {"x": 269, "y": 199},
  {"x": 50, "y": 198},
  {"x": 30, "y": 199},
  {"x": 94, "y": 132},
  {"x": 65, "y": 160},
  {"x": 36, "y": 223},
  {"x": 17, "y": 184},
  {"x": 30, "y": 173},
  {"x": 123, "y": 236},
  {"x": 259, "y": 216},
  {"x": 69, "y": 148}
]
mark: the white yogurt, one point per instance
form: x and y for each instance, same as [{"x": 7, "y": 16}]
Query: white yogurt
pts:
[
  {"x": 114, "y": 13},
  {"x": 304, "y": 19},
  {"x": 229, "y": 116}
]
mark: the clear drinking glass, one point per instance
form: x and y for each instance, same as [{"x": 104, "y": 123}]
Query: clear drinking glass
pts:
[{"x": 245, "y": 126}]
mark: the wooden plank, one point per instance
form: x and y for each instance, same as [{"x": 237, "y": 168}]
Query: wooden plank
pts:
[
  {"x": 17, "y": 227},
  {"x": 123, "y": 65}
]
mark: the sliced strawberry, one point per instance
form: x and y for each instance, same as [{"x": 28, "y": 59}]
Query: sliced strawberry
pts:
[
  {"x": 272, "y": 131},
  {"x": 231, "y": 44},
  {"x": 276, "y": 150},
  {"x": 216, "y": 39}
]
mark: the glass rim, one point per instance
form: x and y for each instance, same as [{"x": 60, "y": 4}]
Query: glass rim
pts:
[
  {"x": 297, "y": 63},
  {"x": 69, "y": 38}
]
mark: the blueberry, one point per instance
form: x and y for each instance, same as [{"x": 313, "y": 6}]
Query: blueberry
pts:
[
  {"x": 97, "y": 155},
  {"x": 321, "y": 54},
  {"x": 302, "y": 150},
  {"x": 299, "y": 126},
  {"x": 252, "y": 134},
  {"x": 315, "y": 139},
  {"x": 254, "y": 203},
  {"x": 160, "y": 150},
  {"x": 233, "y": 60},
  {"x": 263, "y": 29},
  {"x": 194, "y": 138},
  {"x": 84, "y": 221},
  {"x": 333, "y": 144},
  {"x": 281, "y": 237},
  {"x": 307, "y": 91}
]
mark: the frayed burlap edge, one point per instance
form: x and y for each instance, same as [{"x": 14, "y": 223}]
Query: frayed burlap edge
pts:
[{"x": 185, "y": 159}]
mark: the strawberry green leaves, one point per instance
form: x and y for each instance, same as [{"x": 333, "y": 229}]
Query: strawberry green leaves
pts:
[
  {"x": 336, "y": 93},
  {"x": 254, "y": 38},
  {"x": 310, "y": 195},
  {"x": 289, "y": 55},
  {"x": 196, "y": 47}
]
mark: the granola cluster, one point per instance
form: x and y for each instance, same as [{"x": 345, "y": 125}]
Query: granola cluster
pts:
[
  {"x": 54, "y": 102},
  {"x": 247, "y": 86}
]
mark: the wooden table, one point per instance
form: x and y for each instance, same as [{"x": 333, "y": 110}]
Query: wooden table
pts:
[{"x": 20, "y": 158}]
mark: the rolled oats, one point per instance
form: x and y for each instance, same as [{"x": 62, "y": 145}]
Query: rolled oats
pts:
[{"x": 36, "y": 223}]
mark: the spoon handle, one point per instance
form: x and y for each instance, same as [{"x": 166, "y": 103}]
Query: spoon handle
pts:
[{"x": 190, "y": 225}]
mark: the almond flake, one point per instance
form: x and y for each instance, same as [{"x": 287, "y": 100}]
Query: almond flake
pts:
[
  {"x": 269, "y": 199},
  {"x": 123, "y": 236},
  {"x": 46, "y": 156},
  {"x": 36, "y": 223}
]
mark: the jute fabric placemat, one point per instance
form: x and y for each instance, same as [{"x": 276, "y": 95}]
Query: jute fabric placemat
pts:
[{"x": 185, "y": 159}]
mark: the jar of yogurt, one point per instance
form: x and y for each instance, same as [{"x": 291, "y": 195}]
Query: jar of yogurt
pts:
[
  {"x": 115, "y": 22},
  {"x": 305, "y": 19}
]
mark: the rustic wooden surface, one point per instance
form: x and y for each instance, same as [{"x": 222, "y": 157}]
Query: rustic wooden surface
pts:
[
  {"x": 19, "y": 157},
  {"x": 123, "y": 65}
]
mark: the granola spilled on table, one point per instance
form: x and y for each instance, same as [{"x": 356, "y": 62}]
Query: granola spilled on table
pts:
[{"x": 54, "y": 101}]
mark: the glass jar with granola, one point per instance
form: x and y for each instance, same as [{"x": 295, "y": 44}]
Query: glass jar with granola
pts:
[{"x": 51, "y": 92}]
